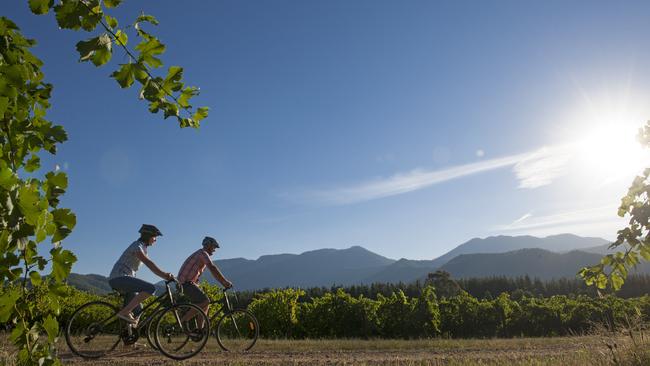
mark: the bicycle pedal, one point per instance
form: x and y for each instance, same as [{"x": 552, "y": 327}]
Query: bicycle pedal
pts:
[{"x": 128, "y": 341}]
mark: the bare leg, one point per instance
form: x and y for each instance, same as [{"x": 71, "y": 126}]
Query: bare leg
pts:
[
  {"x": 204, "y": 306},
  {"x": 137, "y": 299}
]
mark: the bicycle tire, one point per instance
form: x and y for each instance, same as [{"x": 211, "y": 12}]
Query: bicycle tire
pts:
[
  {"x": 237, "y": 330},
  {"x": 82, "y": 323},
  {"x": 176, "y": 334},
  {"x": 151, "y": 328}
]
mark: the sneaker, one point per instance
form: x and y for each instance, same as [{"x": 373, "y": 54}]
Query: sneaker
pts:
[
  {"x": 197, "y": 335},
  {"x": 128, "y": 318},
  {"x": 134, "y": 346},
  {"x": 129, "y": 340}
]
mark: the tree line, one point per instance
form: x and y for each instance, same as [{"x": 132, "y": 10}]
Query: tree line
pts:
[{"x": 636, "y": 285}]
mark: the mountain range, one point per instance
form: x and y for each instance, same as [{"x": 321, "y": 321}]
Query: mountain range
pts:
[{"x": 550, "y": 257}]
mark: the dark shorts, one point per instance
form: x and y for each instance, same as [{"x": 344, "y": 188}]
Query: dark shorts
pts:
[
  {"x": 194, "y": 293},
  {"x": 127, "y": 284}
]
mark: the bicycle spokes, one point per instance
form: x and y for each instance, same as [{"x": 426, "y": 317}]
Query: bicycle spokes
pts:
[
  {"x": 93, "y": 330},
  {"x": 182, "y": 331},
  {"x": 237, "y": 330}
]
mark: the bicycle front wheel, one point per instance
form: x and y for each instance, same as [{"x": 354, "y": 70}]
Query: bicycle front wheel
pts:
[
  {"x": 151, "y": 329},
  {"x": 182, "y": 331},
  {"x": 237, "y": 331},
  {"x": 93, "y": 330}
]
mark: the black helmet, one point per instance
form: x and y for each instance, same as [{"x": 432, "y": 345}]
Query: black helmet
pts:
[
  {"x": 209, "y": 240},
  {"x": 149, "y": 230}
]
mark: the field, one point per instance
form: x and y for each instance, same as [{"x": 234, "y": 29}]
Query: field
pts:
[{"x": 591, "y": 350}]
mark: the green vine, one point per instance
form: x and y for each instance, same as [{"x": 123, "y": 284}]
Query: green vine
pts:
[
  {"x": 30, "y": 215},
  {"x": 634, "y": 240}
]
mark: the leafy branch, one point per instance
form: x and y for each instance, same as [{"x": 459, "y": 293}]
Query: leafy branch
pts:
[
  {"x": 169, "y": 94},
  {"x": 29, "y": 213},
  {"x": 634, "y": 239}
]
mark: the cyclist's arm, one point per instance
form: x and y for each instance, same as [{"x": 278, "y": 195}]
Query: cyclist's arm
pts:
[
  {"x": 217, "y": 274},
  {"x": 152, "y": 266}
]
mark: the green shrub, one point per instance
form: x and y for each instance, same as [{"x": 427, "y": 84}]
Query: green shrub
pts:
[
  {"x": 341, "y": 315},
  {"x": 394, "y": 314},
  {"x": 425, "y": 319},
  {"x": 276, "y": 312},
  {"x": 336, "y": 315}
]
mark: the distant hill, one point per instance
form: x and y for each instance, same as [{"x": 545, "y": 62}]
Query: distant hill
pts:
[
  {"x": 406, "y": 270},
  {"x": 502, "y": 244},
  {"x": 554, "y": 256},
  {"x": 92, "y": 283},
  {"x": 97, "y": 284},
  {"x": 357, "y": 265},
  {"x": 403, "y": 270},
  {"x": 539, "y": 263},
  {"x": 604, "y": 249},
  {"x": 323, "y": 267}
]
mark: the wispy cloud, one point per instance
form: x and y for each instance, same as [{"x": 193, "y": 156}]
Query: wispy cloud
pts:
[
  {"x": 594, "y": 215},
  {"x": 533, "y": 169},
  {"x": 542, "y": 166},
  {"x": 524, "y": 217}
]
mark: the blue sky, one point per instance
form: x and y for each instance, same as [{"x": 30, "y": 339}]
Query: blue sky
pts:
[{"x": 406, "y": 127}]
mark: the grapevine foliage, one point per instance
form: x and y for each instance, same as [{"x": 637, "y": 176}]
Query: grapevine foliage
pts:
[
  {"x": 30, "y": 216},
  {"x": 633, "y": 241}
]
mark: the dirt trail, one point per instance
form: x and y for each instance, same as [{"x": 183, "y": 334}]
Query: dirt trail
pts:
[{"x": 572, "y": 351}]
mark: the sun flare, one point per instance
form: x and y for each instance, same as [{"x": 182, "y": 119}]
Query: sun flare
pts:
[
  {"x": 611, "y": 152},
  {"x": 604, "y": 137}
]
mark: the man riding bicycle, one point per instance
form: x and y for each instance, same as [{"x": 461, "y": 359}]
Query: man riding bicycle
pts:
[
  {"x": 122, "y": 277},
  {"x": 193, "y": 267}
]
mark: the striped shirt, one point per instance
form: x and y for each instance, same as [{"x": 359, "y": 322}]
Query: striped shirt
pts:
[{"x": 194, "y": 266}]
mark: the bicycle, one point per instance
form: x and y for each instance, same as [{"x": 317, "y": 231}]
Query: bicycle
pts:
[
  {"x": 236, "y": 329},
  {"x": 94, "y": 328}
]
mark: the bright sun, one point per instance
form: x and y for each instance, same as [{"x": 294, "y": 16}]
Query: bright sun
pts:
[
  {"x": 607, "y": 149},
  {"x": 611, "y": 152}
]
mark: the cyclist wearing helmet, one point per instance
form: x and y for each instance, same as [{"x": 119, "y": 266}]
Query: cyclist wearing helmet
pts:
[
  {"x": 122, "y": 277},
  {"x": 192, "y": 269}
]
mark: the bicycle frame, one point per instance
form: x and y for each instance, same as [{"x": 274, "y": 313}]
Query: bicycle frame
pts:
[
  {"x": 231, "y": 311},
  {"x": 226, "y": 307},
  {"x": 223, "y": 305},
  {"x": 150, "y": 314},
  {"x": 158, "y": 301}
]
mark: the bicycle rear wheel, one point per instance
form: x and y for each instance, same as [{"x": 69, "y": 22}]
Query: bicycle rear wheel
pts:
[
  {"x": 182, "y": 331},
  {"x": 237, "y": 331},
  {"x": 93, "y": 330}
]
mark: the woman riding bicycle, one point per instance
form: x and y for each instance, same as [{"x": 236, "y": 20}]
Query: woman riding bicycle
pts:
[{"x": 122, "y": 277}]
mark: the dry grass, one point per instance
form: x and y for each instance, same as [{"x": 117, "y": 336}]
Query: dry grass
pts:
[
  {"x": 627, "y": 348},
  {"x": 631, "y": 346}
]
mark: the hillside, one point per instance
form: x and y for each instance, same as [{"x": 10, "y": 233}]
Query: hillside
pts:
[
  {"x": 403, "y": 270},
  {"x": 92, "y": 283},
  {"x": 539, "y": 263},
  {"x": 554, "y": 256},
  {"x": 322, "y": 267},
  {"x": 502, "y": 244}
]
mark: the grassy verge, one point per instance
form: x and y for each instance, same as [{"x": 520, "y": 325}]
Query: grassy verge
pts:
[{"x": 603, "y": 349}]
